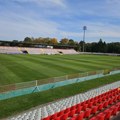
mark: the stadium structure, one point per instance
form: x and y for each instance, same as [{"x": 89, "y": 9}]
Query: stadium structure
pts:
[
  {"x": 100, "y": 103},
  {"x": 27, "y": 50}
]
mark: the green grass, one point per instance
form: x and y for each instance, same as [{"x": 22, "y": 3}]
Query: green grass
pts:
[
  {"x": 15, "y": 105},
  {"x": 23, "y": 68}
]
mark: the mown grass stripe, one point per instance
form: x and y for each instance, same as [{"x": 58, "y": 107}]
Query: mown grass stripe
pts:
[{"x": 20, "y": 68}]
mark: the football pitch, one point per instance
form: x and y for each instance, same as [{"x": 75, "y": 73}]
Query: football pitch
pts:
[{"x": 23, "y": 68}]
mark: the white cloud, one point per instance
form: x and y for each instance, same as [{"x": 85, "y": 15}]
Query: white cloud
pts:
[
  {"x": 30, "y": 22},
  {"x": 113, "y": 1},
  {"x": 45, "y": 3},
  {"x": 26, "y": 26}
]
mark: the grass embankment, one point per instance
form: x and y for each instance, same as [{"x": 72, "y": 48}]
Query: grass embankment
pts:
[{"x": 19, "y": 104}]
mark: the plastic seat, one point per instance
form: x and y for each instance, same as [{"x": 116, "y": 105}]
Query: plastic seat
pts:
[
  {"x": 114, "y": 110},
  {"x": 105, "y": 104},
  {"x": 65, "y": 116},
  {"x": 87, "y": 113},
  {"x": 72, "y": 108},
  {"x": 90, "y": 104},
  {"x": 92, "y": 99},
  {"x": 95, "y": 102},
  {"x": 78, "y": 110},
  {"x": 115, "y": 99},
  {"x": 94, "y": 109},
  {"x": 118, "y": 107},
  {"x": 71, "y": 113},
  {"x": 77, "y": 105},
  {"x": 67, "y": 110},
  {"x": 93, "y": 118},
  {"x": 58, "y": 118},
  {"x": 99, "y": 100},
  {"x": 80, "y": 116},
  {"x": 84, "y": 106},
  {"x": 108, "y": 114},
  {"x": 118, "y": 97},
  {"x": 53, "y": 116},
  {"x": 100, "y": 106},
  {"x": 101, "y": 116},
  {"x": 60, "y": 113},
  {"x": 83, "y": 103},
  {"x": 87, "y": 101},
  {"x": 103, "y": 98}
]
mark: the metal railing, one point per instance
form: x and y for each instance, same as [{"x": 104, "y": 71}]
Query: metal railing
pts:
[{"x": 17, "y": 86}]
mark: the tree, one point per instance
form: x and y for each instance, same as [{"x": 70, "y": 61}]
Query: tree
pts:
[
  {"x": 54, "y": 41},
  {"x": 64, "y": 41},
  {"x": 71, "y": 42},
  {"x": 27, "y": 39},
  {"x": 101, "y": 46},
  {"x": 81, "y": 43}
]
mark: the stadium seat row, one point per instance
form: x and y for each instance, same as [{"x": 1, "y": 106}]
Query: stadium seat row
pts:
[
  {"x": 20, "y": 50},
  {"x": 87, "y": 108},
  {"x": 88, "y": 97}
]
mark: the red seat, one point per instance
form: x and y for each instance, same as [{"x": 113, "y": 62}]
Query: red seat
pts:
[
  {"x": 83, "y": 103},
  {"x": 87, "y": 113},
  {"x": 118, "y": 108},
  {"x": 108, "y": 114},
  {"x": 65, "y": 116},
  {"x": 94, "y": 109},
  {"x": 118, "y": 97},
  {"x": 90, "y": 104},
  {"x": 67, "y": 110},
  {"x": 71, "y": 113},
  {"x": 110, "y": 101},
  {"x": 87, "y": 101},
  {"x": 95, "y": 102},
  {"x": 100, "y": 106},
  {"x": 60, "y": 113},
  {"x": 101, "y": 116},
  {"x": 103, "y": 98},
  {"x": 77, "y": 105},
  {"x": 92, "y": 99},
  {"x": 115, "y": 99},
  {"x": 80, "y": 116},
  {"x": 73, "y": 107},
  {"x": 53, "y": 116},
  {"x": 114, "y": 110},
  {"x": 99, "y": 100},
  {"x": 78, "y": 110},
  {"x": 84, "y": 106},
  {"x": 58, "y": 118},
  {"x": 105, "y": 104}
]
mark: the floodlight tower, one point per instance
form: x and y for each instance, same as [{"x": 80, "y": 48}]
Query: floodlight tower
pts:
[{"x": 84, "y": 28}]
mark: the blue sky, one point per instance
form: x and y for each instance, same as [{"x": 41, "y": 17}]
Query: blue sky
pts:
[{"x": 60, "y": 19}]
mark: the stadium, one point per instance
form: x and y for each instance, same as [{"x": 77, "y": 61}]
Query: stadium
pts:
[
  {"x": 74, "y": 74},
  {"x": 45, "y": 85}
]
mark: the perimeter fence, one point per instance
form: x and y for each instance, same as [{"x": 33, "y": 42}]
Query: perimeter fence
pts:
[{"x": 24, "y": 85}]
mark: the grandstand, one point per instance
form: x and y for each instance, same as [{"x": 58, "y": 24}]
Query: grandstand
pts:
[
  {"x": 26, "y": 50},
  {"x": 98, "y": 104},
  {"x": 10, "y": 50}
]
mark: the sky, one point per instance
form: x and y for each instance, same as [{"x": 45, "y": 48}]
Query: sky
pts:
[{"x": 60, "y": 19}]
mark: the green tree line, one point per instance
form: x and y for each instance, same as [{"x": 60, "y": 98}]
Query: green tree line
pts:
[{"x": 100, "y": 46}]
